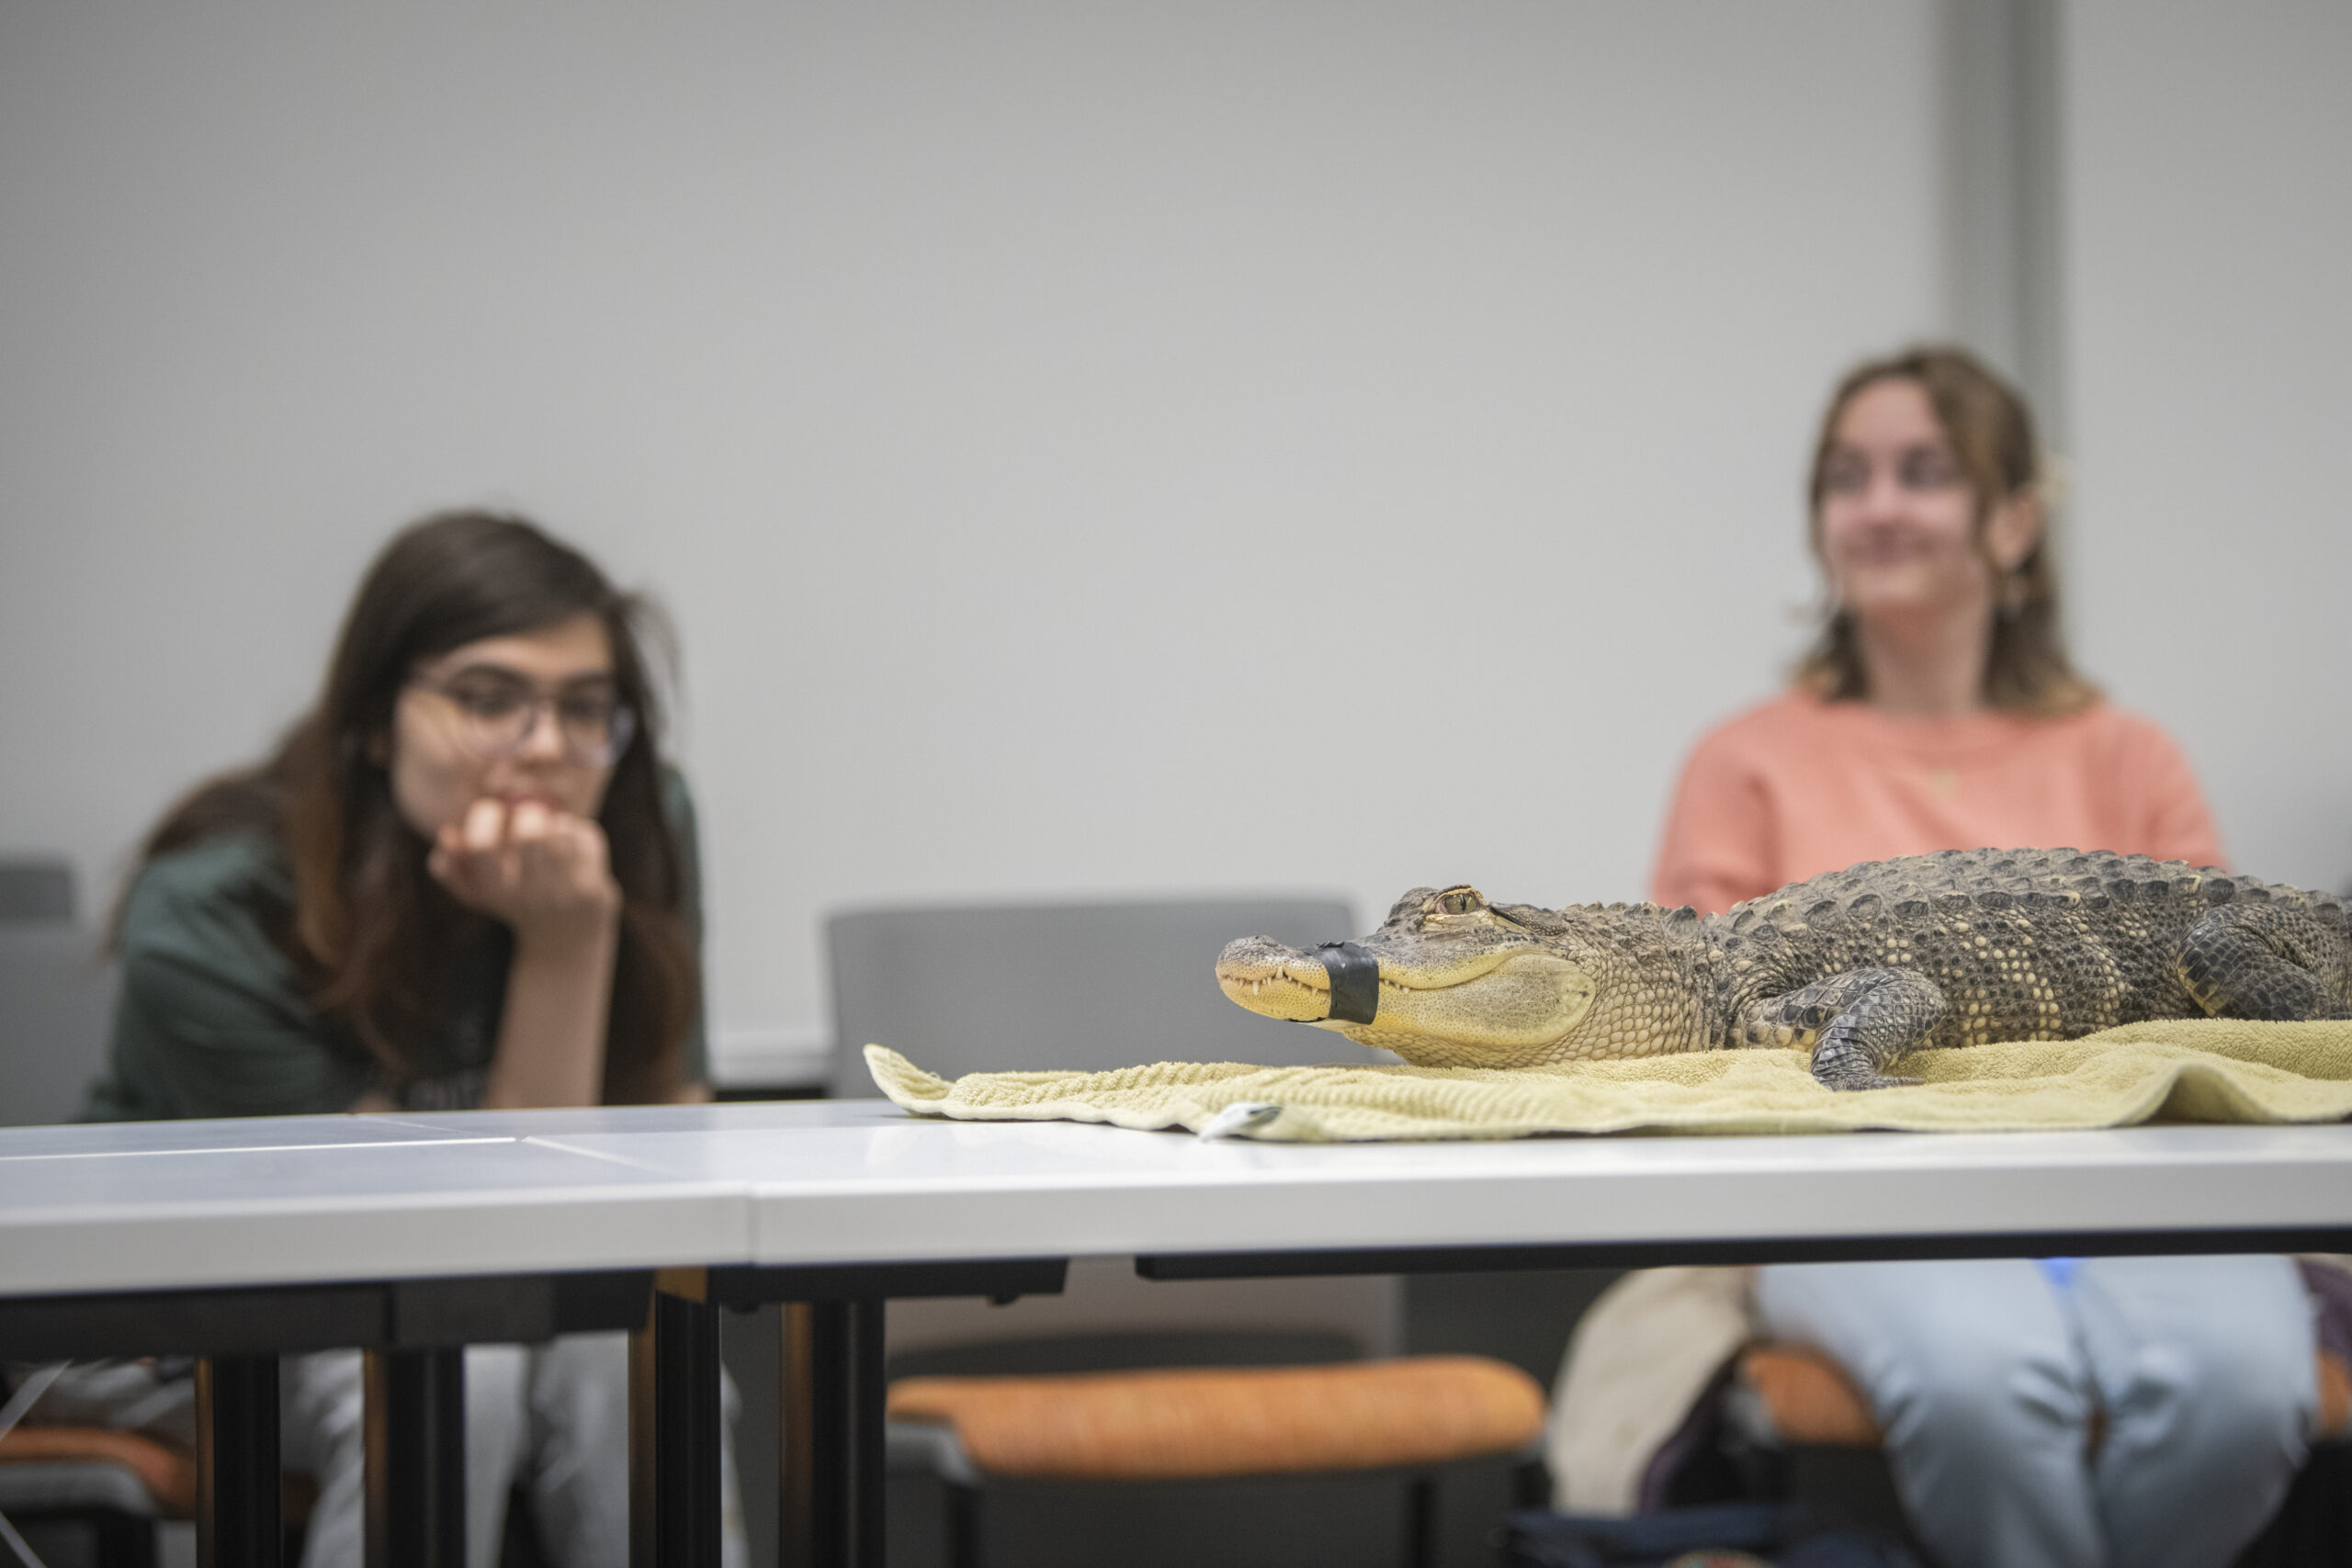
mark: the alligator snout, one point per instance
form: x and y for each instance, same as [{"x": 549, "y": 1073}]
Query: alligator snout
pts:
[
  {"x": 1278, "y": 981},
  {"x": 1467, "y": 986}
]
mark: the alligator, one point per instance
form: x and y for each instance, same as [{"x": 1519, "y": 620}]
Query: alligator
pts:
[{"x": 1859, "y": 966}]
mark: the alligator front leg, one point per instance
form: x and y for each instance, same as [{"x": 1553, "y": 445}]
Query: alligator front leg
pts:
[
  {"x": 2266, "y": 961},
  {"x": 1858, "y": 1023}
]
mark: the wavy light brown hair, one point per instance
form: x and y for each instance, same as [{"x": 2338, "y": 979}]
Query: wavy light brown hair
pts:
[
  {"x": 1991, "y": 431},
  {"x": 374, "y": 936}
]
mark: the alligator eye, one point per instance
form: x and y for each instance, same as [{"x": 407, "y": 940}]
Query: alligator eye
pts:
[{"x": 1460, "y": 901}]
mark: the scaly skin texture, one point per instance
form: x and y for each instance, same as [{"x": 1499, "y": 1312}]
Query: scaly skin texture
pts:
[{"x": 1859, "y": 967}]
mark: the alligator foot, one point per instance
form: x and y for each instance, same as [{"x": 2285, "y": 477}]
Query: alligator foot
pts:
[
  {"x": 2266, "y": 961},
  {"x": 1890, "y": 1014}
]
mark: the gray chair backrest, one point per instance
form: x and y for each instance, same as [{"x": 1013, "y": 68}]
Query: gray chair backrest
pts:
[
  {"x": 56, "y": 996},
  {"x": 1087, "y": 985},
  {"x": 36, "y": 889}
]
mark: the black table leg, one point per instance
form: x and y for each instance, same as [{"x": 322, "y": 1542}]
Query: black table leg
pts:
[
  {"x": 1420, "y": 1521},
  {"x": 673, "y": 1426},
  {"x": 236, "y": 1462},
  {"x": 833, "y": 1452},
  {"x": 869, "y": 1443},
  {"x": 416, "y": 1459},
  {"x": 966, "y": 1537}
]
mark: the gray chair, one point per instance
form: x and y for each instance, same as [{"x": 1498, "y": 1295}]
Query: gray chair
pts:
[
  {"x": 1093, "y": 986},
  {"x": 74, "y": 1512},
  {"x": 56, "y": 995}
]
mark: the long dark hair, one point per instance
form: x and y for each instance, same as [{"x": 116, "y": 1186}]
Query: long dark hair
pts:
[
  {"x": 374, "y": 936},
  {"x": 1991, "y": 431}
]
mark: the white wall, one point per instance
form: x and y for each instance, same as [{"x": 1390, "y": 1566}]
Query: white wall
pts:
[
  {"x": 2210, "y": 224},
  {"x": 1088, "y": 448}
]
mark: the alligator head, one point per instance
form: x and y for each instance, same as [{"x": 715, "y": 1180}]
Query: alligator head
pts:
[{"x": 1448, "y": 980}]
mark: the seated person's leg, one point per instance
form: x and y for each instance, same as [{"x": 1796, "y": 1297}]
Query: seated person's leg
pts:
[
  {"x": 496, "y": 1429},
  {"x": 578, "y": 1449},
  {"x": 1970, "y": 1370},
  {"x": 323, "y": 1404},
  {"x": 2204, "y": 1366},
  {"x": 322, "y": 1407}
]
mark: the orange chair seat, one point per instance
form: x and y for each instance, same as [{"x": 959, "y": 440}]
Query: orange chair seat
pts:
[
  {"x": 1173, "y": 1423},
  {"x": 1811, "y": 1400},
  {"x": 167, "y": 1472}
]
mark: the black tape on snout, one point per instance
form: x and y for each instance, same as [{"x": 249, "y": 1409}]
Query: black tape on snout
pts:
[{"x": 1355, "y": 981}]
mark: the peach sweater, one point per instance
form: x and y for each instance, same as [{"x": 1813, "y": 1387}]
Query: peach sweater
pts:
[{"x": 1799, "y": 787}]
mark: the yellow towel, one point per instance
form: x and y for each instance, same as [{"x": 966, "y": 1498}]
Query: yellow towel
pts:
[{"x": 2189, "y": 1070}]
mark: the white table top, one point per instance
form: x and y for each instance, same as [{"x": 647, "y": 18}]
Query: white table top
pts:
[
  {"x": 283, "y": 1201},
  {"x": 161, "y": 1204}
]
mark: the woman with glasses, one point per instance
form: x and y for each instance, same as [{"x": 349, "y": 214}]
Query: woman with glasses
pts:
[
  {"x": 2065, "y": 1413},
  {"x": 465, "y": 878}
]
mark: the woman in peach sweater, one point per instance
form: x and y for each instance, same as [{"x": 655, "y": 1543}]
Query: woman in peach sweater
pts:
[{"x": 1939, "y": 711}]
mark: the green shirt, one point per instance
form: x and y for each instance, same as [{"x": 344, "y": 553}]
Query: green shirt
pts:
[{"x": 212, "y": 1020}]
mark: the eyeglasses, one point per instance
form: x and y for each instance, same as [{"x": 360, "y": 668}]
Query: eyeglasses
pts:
[
  {"x": 1848, "y": 472},
  {"x": 495, "y": 714}
]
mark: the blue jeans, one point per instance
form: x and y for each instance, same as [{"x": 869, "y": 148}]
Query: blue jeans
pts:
[{"x": 1985, "y": 1377}]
